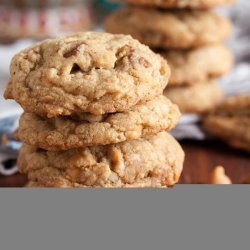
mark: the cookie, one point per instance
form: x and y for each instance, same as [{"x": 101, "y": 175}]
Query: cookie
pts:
[
  {"x": 86, "y": 72},
  {"x": 200, "y": 64},
  {"x": 32, "y": 184},
  {"x": 235, "y": 105},
  {"x": 231, "y": 122},
  {"x": 194, "y": 4},
  {"x": 155, "y": 161},
  {"x": 177, "y": 29},
  {"x": 197, "y": 98},
  {"x": 233, "y": 130},
  {"x": 83, "y": 130}
]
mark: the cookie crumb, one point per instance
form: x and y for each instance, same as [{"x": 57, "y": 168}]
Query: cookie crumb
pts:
[{"x": 218, "y": 177}]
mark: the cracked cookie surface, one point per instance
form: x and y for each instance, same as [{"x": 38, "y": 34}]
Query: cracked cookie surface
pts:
[
  {"x": 155, "y": 161},
  {"x": 83, "y": 130},
  {"x": 194, "y": 4},
  {"x": 86, "y": 72},
  {"x": 182, "y": 29}
]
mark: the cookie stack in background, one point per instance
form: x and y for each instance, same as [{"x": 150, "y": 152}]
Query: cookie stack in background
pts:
[
  {"x": 190, "y": 36},
  {"x": 95, "y": 113}
]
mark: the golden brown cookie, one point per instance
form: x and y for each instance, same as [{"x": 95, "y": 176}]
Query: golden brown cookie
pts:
[
  {"x": 180, "y": 29},
  {"x": 83, "y": 130},
  {"x": 233, "y": 130},
  {"x": 146, "y": 184},
  {"x": 231, "y": 122},
  {"x": 197, "y": 98},
  {"x": 194, "y": 4},
  {"x": 200, "y": 64},
  {"x": 235, "y": 105},
  {"x": 32, "y": 184},
  {"x": 86, "y": 72},
  {"x": 155, "y": 161}
]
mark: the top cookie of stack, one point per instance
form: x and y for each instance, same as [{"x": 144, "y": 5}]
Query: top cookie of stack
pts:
[
  {"x": 87, "y": 72},
  {"x": 96, "y": 99},
  {"x": 189, "y": 36}
]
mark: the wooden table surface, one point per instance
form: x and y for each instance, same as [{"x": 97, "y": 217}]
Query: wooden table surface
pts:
[{"x": 201, "y": 158}]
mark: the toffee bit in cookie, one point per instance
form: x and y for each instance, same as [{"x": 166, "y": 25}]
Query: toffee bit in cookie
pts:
[
  {"x": 70, "y": 53},
  {"x": 144, "y": 62},
  {"x": 74, "y": 49},
  {"x": 125, "y": 51}
]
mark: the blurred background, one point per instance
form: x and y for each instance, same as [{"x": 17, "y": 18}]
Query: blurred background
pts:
[{"x": 24, "y": 22}]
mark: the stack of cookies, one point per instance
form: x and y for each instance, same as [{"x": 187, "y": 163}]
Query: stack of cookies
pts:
[
  {"x": 189, "y": 35},
  {"x": 94, "y": 113}
]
